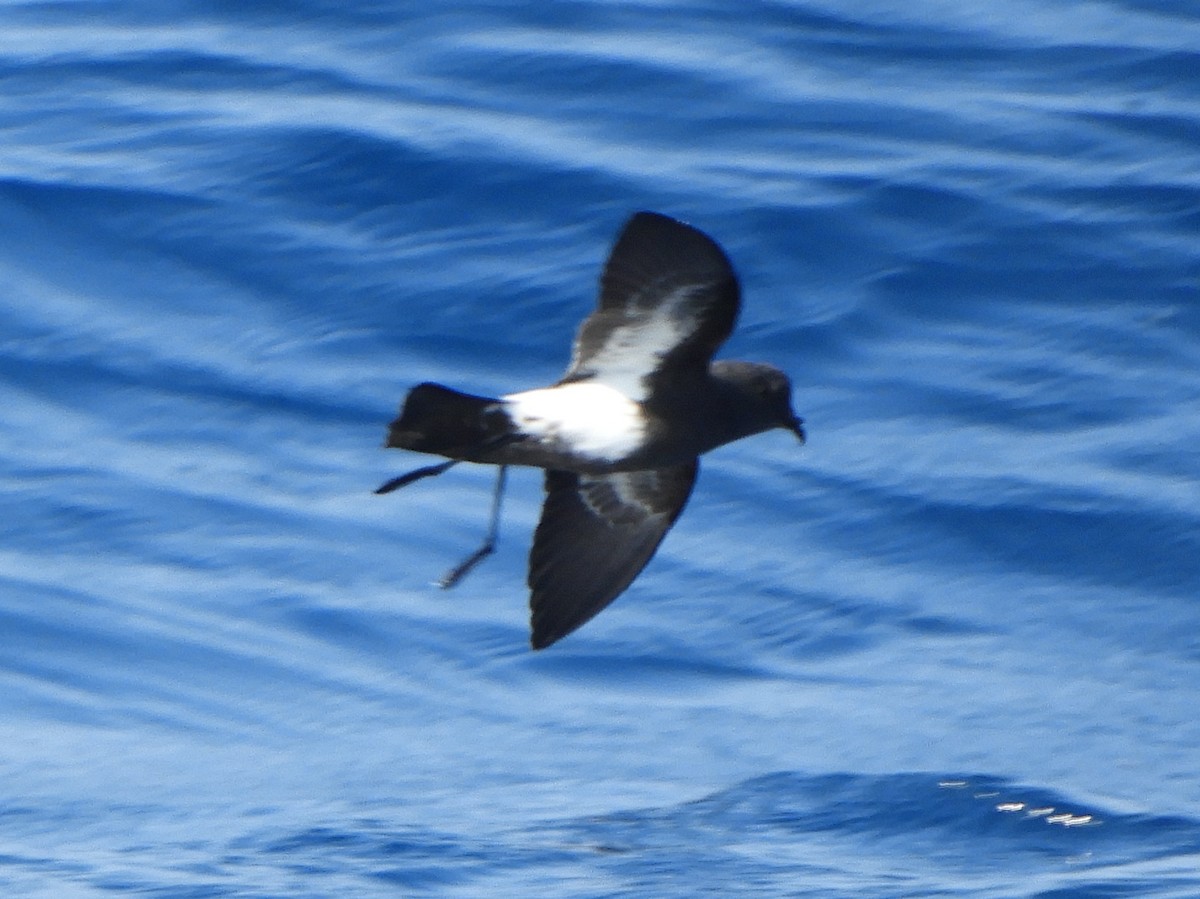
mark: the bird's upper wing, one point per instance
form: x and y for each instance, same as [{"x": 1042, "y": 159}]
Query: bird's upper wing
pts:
[
  {"x": 668, "y": 297},
  {"x": 597, "y": 532}
]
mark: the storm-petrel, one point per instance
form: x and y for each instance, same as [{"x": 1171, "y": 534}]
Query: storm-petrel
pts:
[{"x": 620, "y": 435}]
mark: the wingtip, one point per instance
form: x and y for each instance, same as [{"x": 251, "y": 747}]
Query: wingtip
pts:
[
  {"x": 798, "y": 430},
  {"x": 649, "y": 215},
  {"x": 658, "y": 226}
]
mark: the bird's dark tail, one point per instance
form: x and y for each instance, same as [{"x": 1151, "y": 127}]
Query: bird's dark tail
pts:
[{"x": 436, "y": 419}]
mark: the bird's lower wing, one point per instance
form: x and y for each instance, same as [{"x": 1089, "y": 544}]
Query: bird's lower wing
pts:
[{"x": 596, "y": 534}]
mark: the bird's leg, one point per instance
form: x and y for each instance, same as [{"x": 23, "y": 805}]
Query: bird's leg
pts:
[
  {"x": 405, "y": 479},
  {"x": 459, "y": 571}
]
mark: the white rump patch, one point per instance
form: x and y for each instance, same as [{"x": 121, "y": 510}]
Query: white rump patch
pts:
[{"x": 587, "y": 418}]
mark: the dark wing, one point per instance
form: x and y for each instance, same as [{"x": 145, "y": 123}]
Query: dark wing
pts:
[
  {"x": 668, "y": 297},
  {"x": 596, "y": 534}
]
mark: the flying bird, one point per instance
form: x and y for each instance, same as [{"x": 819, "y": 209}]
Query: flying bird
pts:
[{"x": 620, "y": 435}]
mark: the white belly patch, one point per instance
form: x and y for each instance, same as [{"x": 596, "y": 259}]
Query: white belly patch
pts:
[{"x": 587, "y": 419}]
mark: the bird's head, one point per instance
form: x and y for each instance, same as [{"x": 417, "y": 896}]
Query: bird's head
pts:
[{"x": 764, "y": 396}]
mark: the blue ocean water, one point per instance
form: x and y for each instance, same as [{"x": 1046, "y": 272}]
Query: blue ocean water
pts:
[{"x": 949, "y": 648}]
